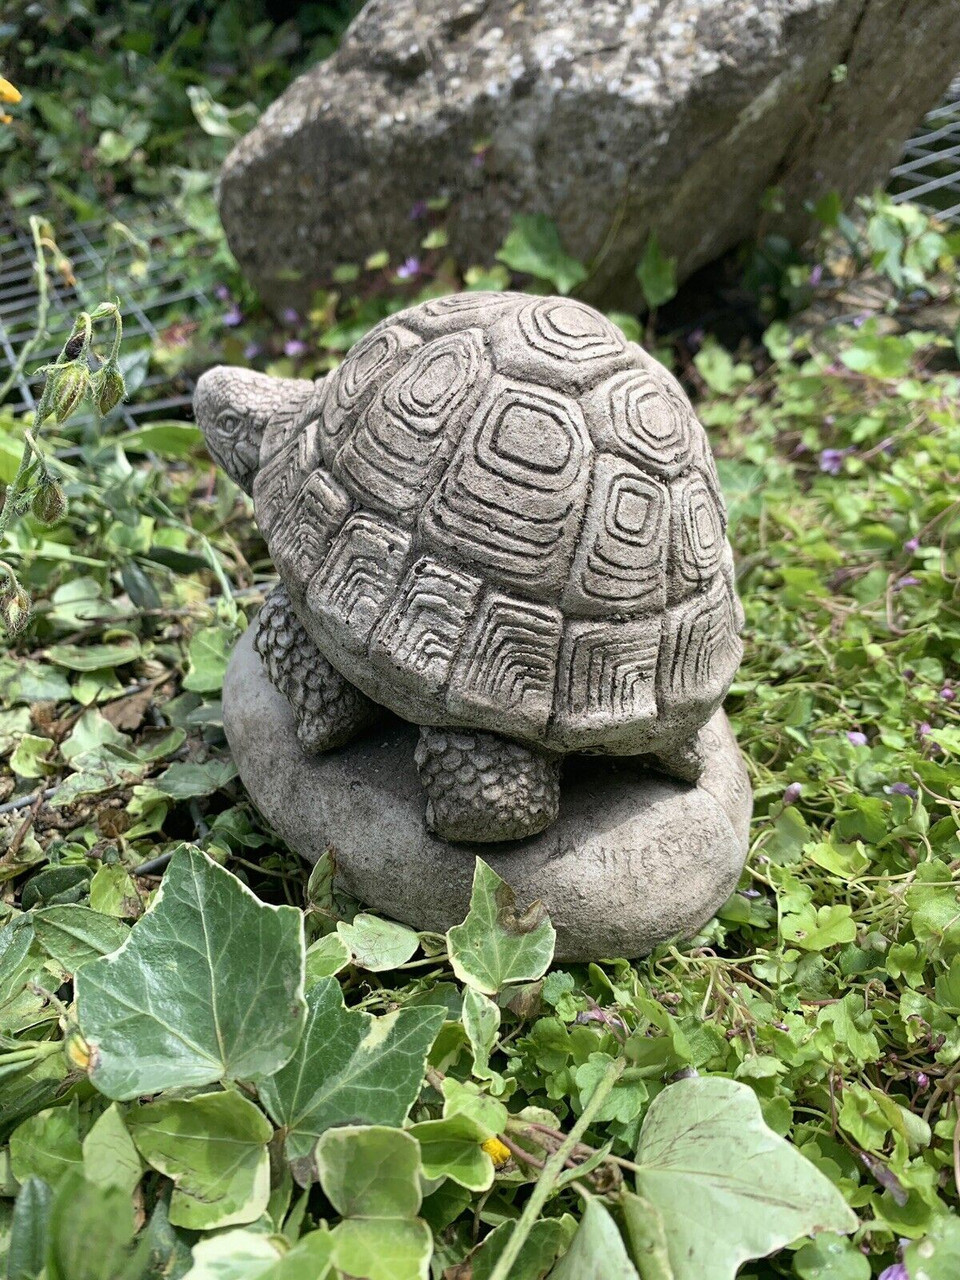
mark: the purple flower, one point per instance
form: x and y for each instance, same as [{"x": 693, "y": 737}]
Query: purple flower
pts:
[
  {"x": 947, "y": 694},
  {"x": 857, "y": 738},
  {"x": 907, "y": 581},
  {"x": 695, "y": 338},
  {"x": 912, "y": 545},
  {"x": 923, "y": 729},
  {"x": 233, "y": 317},
  {"x": 222, "y": 293},
  {"x": 861, "y": 319},
  {"x": 290, "y": 317},
  {"x": 749, "y": 893},
  {"x": 407, "y": 270},
  {"x": 294, "y": 347},
  {"x": 792, "y": 793},
  {"x": 900, "y": 789},
  {"x": 252, "y": 350},
  {"x": 921, "y": 1079},
  {"x": 418, "y": 210},
  {"x": 831, "y": 461},
  {"x": 897, "y": 1272},
  {"x": 816, "y": 275}
]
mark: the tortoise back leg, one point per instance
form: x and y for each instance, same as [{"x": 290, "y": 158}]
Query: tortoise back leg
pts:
[
  {"x": 329, "y": 711},
  {"x": 482, "y": 788},
  {"x": 684, "y": 760}
]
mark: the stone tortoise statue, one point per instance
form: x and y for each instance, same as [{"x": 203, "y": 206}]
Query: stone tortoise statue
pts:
[{"x": 501, "y": 520}]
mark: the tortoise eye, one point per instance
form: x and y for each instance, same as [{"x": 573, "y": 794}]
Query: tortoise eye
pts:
[{"x": 228, "y": 422}]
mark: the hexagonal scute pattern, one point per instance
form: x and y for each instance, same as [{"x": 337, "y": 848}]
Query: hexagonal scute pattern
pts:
[
  {"x": 408, "y": 430},
  {"x": 512, "y": 498},
  {"x": 353, "y": 385},
  {"x": 501, "y": 514},
  {"x": 620, "y": 564}
]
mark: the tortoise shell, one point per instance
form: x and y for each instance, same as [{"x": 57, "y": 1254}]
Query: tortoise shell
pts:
[{"x": 499, "y": 513}]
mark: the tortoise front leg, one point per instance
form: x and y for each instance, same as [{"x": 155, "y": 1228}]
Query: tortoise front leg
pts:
[
  {"x": 482, "y": 788},
  {"x": 329, "y": 711}
]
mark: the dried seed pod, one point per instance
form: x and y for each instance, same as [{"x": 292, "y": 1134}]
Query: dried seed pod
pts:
[
  {"x": 109, "y": 387},
  {"x": 49, "y": 503},
  {"x": 15, "y": 611},
  {"x": 72, "y": 385}
]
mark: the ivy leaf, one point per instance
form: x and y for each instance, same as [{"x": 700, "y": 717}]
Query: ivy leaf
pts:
[
  {"x": 495, "y": 946},
  {"x": 208, "y": 652},
  {"x": 349, "y": 1067},
  {"x": 250, "y": 1255},
  {"x": 463, "y": 1098},
  {"x": 378, "y": 944},
  {"x": 831, "y": 1257},
  {"x": 548, "y": 1237},
  {"x": 626, "y": 1099},
  {"x": 937, "y": 1255},
  {"x": 109, "y": 1156},
  {"x": 371, "y": 1176},
  {"x": 481, "y": 1021},
  {"x": 90, "y": 1233},
  {"x": 815, "y": 930},
  {"x": 450, "y": 1148},
  {"x": 189, "y": 780},
  {"x": 214, "y": 1148},
  {"x": 326, "y": 957},
  {"x": 94, "y": 657},
  {"x": 47, "y": 1145},
  {"x": 704, "y": 1143},
  {"x": 648, "y": 1240},
  {"x": 28, "y": 1230},
  {"x": 73, "y": 934},
  {"x": 657, "y": 274},
  {"x": 533, "y": 246},
  {"x": 597, "y": 1252},
  {"x": 168, "y": 439},
  {"x": 207, "y": 987}
]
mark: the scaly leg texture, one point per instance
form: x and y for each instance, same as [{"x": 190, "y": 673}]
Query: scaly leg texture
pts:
[
  {"x": 329, "y": 711},
  {"x": 482, "y": 788},
  {"x": 684, "y": 760}
]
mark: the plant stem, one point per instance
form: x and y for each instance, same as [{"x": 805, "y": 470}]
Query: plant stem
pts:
[
  {"x": 43, "y": 309},
  {"x": 552, "y": 1170}
]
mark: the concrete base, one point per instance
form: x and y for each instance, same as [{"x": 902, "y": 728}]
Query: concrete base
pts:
[{"x": 632, "y": 860}]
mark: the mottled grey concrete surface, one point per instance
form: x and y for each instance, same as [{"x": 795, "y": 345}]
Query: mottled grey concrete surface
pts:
[
  {"x": 632, "y": 860},
  {"x": 615, "y": 118}
]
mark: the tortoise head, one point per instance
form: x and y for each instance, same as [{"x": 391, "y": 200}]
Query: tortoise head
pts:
[{"x": 234, "y": 407}]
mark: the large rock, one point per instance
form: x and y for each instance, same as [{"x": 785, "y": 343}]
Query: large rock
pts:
[
  {"x": 615, "y": 118},
  {"x": 632, "y": 860}
]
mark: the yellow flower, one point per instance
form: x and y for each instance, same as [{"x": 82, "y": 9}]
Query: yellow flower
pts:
[
  {"x": 497, "y": 1151},
  {"x": 8, "y": 93},
  {"x": 80, "y": 1054}
]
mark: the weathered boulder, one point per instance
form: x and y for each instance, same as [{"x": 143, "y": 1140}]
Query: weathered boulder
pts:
[{"x": 615, "y": 118}]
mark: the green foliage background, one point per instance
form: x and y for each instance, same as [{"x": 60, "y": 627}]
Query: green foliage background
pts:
[{"x": 829, "y": 984}]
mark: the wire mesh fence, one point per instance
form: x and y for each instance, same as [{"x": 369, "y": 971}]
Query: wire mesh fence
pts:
[
  {"x": 929, "y": 172},
  {"x": 102, "y": 263}
]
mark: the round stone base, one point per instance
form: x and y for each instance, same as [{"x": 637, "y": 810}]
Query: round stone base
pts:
[{"x": 632, "y": 860}]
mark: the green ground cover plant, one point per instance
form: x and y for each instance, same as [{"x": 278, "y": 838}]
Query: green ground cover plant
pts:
[{"x": 215, "y": 1066}]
